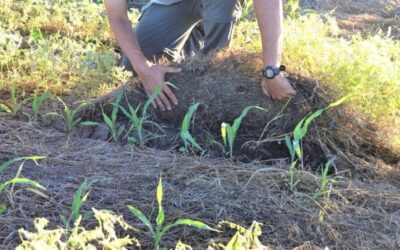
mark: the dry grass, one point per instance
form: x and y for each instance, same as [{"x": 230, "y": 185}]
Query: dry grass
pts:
[{"x": 359, "y": 214}]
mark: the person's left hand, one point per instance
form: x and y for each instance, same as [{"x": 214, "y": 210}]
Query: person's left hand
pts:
[{"x": 278, "y": 88}]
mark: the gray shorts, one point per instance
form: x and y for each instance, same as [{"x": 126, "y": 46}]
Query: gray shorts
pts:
[{"x": 186, "y": 28}]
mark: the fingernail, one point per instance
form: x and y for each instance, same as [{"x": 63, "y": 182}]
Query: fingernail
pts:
[{"x": 169, "y": 108}]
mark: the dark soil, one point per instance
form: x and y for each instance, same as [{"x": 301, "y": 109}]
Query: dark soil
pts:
[{"x": 226, "y": 84}]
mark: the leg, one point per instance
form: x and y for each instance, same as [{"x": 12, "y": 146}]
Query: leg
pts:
[
  {"x": 220, "y": 18},
  {"x": 164, "y": 29}
]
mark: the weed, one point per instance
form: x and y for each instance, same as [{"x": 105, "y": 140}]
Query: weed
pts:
[
  {"x": 244, "y": 238},
  {"x": 17, "y": 179},
  {"x": 78, "y": 237},
  {"x": 228, "y": 132},
  {"x": 79, "y": 199},
  {"x": 162, "y": 229},
  {"x": 185, "y": 134}
]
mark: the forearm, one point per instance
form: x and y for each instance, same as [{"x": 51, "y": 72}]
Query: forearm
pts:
[
  {"x": 127, "y": 40},
  {"x": 269, "y": 15}
]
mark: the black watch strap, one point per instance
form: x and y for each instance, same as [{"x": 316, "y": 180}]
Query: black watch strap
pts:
[{"x": 270, "y": 72}]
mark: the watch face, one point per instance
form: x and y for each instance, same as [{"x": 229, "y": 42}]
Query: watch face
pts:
[{"x": 269, "y": 73}]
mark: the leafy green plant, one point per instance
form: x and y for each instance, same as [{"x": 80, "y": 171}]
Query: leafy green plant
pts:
[
  {"x": 78, "y": 237},
  {"x": 185, "y": 134},
  {"x": 70, "y": 115},
  {"x": 247, "y": 9},
  {"x": 293, "y": 6},
  {"x": 80, "y": 197},
  {"x": 162, "y": 229},
  {"x": 17, "y": 179},
  {"x": 37, "y": 102},
  {"x": 294, "y": 145},
  {"x": 324, "y": 180},
  {"x": 229, "y": 131},
  {"x": 15, "y": 105},
  {"x": 111, "y": 122},
  {"x": 137, "y": 121}
]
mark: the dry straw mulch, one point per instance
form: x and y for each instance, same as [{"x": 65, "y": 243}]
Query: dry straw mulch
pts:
[{"x": 360, "y": 213}]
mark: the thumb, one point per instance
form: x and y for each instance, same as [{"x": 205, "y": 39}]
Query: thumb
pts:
[{"x": 170, "y": 69}]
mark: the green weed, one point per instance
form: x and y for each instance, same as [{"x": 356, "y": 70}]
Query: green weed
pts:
[
  {"x": 228, "y": 131},
  {"x": 162, "y": 229},
  {"x": 18, "y": 180},
  {"x": 185, "y": 134}
]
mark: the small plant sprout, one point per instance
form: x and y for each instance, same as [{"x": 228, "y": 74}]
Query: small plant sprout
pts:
[
  {"x": 70, "y": 115},
  {"x": 111, "y": 122},
  {"x": 18, "y": 180},
  {"x": 228, "y": 131},
  {"x": 79, "y": 199},
  {"x": 37, "y": 102},
  {"x": 324, "y": 182},
  {"x": 185, "y": 134},
  {"x": 299, "y": 133},
  {"x": 293, "y": 6},
  {"x": 137, "y": 121},
  {"x": 15, "y": 105},
  {"x": 162, "y": 229}
]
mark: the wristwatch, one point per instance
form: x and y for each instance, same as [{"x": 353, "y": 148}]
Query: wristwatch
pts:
[{"x": 270, "y": 72}]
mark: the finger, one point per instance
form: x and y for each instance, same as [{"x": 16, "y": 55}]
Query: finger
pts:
[
  {"x": 165, "y": 101},
  {"x": 160, "y": 103},
  {"x": 171, "y": 95},
  {"x": 169, "y": 69},
  {"x": 153, "y": 104}
]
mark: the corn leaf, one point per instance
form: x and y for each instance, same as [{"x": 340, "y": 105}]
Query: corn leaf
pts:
[
  {"x": 161, "y": 215},
  {"x": 141, "y": 217},
  {"x": 10, "y": 162},
  {"x": 21, "y": 181}
]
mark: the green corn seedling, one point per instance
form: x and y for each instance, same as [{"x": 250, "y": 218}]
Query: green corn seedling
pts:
[
  {"x": 162, "y": 229},
  {"x": 18, "y": 180},
  {"x": 185, "y": 134},
  {"x": 80, "y": 197},
  {"x": 70, "y": 115},
  {"x": 229, "y": 132},
  {"x": 37, "y": 102},
  {"x": 112, "y": 121},
  {"x": 299, "y": 133},
  {"x": 15, "y": 105},
  {"x": 324, "y": 180},
  {"x": 137, "y": 121}
]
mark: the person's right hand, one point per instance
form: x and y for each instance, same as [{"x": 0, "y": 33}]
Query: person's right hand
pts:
[{"x": 154, "y": 75}]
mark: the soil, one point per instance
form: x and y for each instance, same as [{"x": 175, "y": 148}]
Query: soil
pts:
[
  {"x": 361, "y": 212},
  {"x": 361, "y": 206}
]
